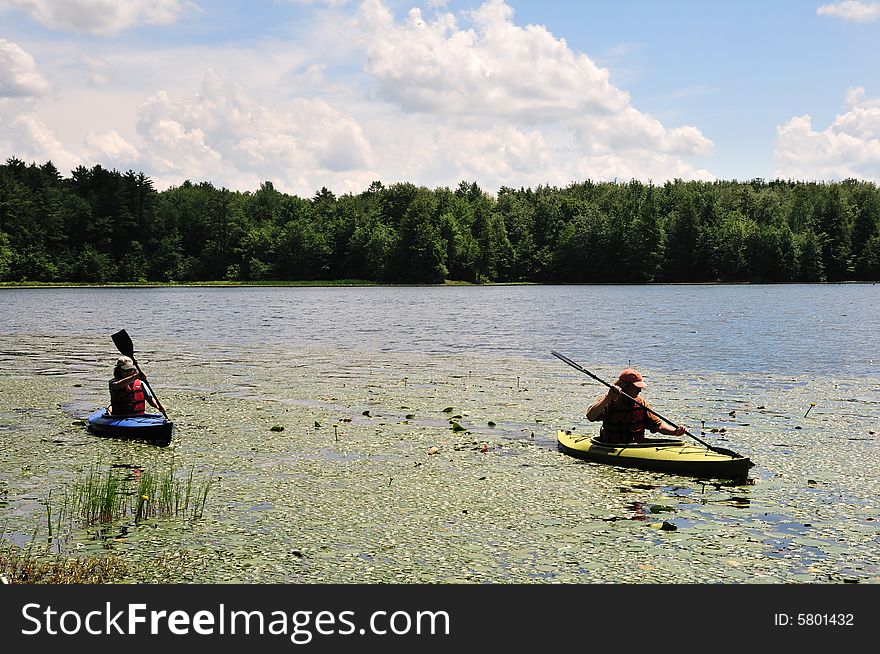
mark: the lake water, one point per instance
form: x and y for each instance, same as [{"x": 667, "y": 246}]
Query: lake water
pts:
[
  {"x": 360, "y": 376},
  {"x": 797, "y": 329}
]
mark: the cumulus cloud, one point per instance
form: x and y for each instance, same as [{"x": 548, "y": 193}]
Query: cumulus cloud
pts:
[
  {"x": 221, "y": 133},
  {"x": 492, "y": 68},
  {"x": 431, "y": 98},
  {"x": 849, "y": 147},
  {"x": 487, "y": 80},
  {"x": 30, "y": 139},
  {"x": 500, "y": 153},
  {"x": 19, "y": 76},
  {"x": 102, "y": 17},
  {"x": 111, "y": 150},
  {"x": 851, "y": 10}
]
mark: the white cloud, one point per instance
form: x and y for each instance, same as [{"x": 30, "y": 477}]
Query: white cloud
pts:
[
  {"x": 19, "y": 76},
  {"x": 469, "y": 80},
  {"x": 103, "y": 17},
  {"x": 851, "y": 10},
  {"x": 99, "y": 70},
  {"x": 223, "y": 135},
  {"x": 32, "y": 140},
  {"x": 849, "y": 147},
  {"x": 501, "y": 153},
  {"x": 493, "y": 68},
  {"x": 632, "y": 130},
  {"x": 358, "y": 95},
  {"x": 111, "y": 150}
]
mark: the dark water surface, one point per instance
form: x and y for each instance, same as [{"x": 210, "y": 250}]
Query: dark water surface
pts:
[{"x": 365, "y": 380}]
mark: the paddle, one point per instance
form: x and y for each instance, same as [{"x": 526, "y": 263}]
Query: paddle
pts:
[
  {"x": 126, "y": 347},
  {"x": 584, "y": 370}
]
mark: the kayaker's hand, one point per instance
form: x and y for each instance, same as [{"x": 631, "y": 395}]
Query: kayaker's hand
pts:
[
  {"x": 615, "y": 390},
  {"x": 679, "y": 431}
]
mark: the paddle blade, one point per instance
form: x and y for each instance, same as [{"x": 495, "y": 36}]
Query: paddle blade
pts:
[{"x": 123, "y": 343}]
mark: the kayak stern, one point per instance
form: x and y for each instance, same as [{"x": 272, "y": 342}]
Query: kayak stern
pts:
[
  {"x": 660, "y": 455},
  {"x": 146, "y": 427}
]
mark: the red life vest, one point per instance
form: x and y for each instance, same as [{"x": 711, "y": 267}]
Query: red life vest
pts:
[
  {"x": 624, "y": 422},
  {"x": 129, "y": 400}
]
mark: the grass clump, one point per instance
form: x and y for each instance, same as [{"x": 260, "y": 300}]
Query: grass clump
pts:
[
  {"x": 101, "y": 496},
  {"x": 165, "y": 495},
  {"x": 18, "y": 566}
]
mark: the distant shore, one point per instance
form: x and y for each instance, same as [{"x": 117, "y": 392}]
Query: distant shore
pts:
[
  {"x": 363, "y": 282},
  {"x": 224, "y": 283}
]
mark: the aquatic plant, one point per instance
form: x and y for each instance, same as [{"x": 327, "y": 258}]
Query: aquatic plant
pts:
[
  {"x": 165, "y": 495},
  {"x": 100, "y": 497}
]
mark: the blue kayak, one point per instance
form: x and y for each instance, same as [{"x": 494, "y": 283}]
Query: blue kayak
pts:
[{"x": 145, "y": 427}]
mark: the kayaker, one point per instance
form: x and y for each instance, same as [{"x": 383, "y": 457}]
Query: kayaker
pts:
[
  {"x": 128, "y": 395},
  {"x": 625, "y": 421}
]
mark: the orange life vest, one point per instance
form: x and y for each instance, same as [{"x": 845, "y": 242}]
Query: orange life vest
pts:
[
  {"x": 128, "y": 400},
  {"x": 623, "y": 422}
]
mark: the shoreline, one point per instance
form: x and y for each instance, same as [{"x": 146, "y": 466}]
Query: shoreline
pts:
[{"x": 348, "y": 283}]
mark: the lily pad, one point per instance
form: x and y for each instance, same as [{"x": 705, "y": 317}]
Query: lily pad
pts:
[{"x": 661, "y": 508}]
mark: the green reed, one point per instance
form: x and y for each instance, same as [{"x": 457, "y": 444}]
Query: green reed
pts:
[
  {"x": 100, "y": 496},
  {"x": 167, "y": 495},
  {"x": 94, "y": 497}
]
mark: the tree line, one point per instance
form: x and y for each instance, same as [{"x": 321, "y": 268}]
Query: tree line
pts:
[{"x": 100, "y": 226}]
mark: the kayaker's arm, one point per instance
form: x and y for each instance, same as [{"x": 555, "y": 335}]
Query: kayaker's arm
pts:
[
  {"x": 153, "y": 401},
  {"x": 669, "y": 430},
  {"x": 156, "y": 404},
  {"x": 659, "y": 425},
  {"x": 118, "y": 384},
  {"x": 598, "y": 407},
  {"x": 125, "y": 381}
]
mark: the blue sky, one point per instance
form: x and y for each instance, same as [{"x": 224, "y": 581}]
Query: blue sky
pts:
[{"x": 339, "y": 93}]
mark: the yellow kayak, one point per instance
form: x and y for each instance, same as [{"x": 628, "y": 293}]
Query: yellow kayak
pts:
[{"x": 659, "y": 454}]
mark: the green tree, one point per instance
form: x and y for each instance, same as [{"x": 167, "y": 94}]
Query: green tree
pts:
[
  {"x": 304, "y": 251},
  {"x": 771, "y": 253},
  {"x": 5, "y": 257},
  {"x": 581, "y": 242},
  {"x": 421, "y": 252},
  {"x": 462, "y": 250},
  {"x": 866, "y": 226},
  {"x": 833, "y": 223},
  {"x": 869, "y": 260},
  {"x": 735, "y": 233},
  {"x": 93, "y": 266},
  {"x": 371, "y": 249},
  {"x": 810, "y": 267},
  {"x": 134, "y": 265},
  {"x": 256, "y": 253},
  {"x": 643, "y": 240}
]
